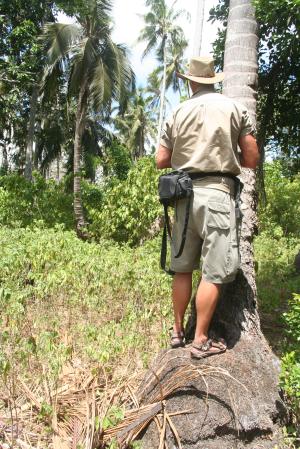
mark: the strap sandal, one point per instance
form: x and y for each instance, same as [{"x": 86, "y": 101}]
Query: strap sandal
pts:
[
  {"x": 207, "y": 349},
  {"x": 177, "y": 339}
]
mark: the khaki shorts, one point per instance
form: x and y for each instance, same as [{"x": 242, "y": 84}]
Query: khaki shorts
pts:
[{"x": 211, "y": 236}]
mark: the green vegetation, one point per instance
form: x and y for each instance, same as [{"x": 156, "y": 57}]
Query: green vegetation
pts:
[
  {"x": 107, "y": 303},
  {"x": 110, "y": 300},
  {"x": 278, "y": 284}
]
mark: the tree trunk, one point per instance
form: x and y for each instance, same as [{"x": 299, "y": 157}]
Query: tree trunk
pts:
[
  {"x": 5, "y": 146},
  {"x": 240, "y": 67},
  {"x": 79, "y": 128},
  {"x": 199, "y": 27},
  {"x": 233, "y": 397},
  {"x": 162, "y": 96},
  {"x": 142, "y": 141},
  {"x": 30, "y": 133}
]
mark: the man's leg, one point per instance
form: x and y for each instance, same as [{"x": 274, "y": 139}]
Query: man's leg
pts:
[
  {"x": 206, "y": 302},
  {"x": 182, "y": 290}
]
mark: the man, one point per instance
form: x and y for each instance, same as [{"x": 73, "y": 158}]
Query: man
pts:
[{"x": 202, "y": 136}]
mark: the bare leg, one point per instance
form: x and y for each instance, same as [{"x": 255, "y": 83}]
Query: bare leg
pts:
[
  {"x": 182, "y": 290},
  {"x": 206, "y": 302}
]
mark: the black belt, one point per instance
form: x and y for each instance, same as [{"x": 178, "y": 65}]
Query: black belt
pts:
[{"x": 200, "y": 175}]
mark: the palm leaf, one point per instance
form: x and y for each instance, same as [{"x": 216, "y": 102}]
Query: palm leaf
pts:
[{"x": 59, "y": 38}]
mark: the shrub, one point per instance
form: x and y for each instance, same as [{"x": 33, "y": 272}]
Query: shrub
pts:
[
  {"x": 279, "y": 216},
  {"x": 22, "y": 202},
  {"x": 290, "y": 369},
  {"x": 129, "y": 207},
  {"x": 276, "y": 277},
  {"x": 292, "y": 319}
]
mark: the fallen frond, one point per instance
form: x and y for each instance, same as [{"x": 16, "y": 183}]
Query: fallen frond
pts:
[{"x": 159, "y": 389}]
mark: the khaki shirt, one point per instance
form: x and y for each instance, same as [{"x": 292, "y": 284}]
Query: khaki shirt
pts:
[{"x": 203, "y": 133}]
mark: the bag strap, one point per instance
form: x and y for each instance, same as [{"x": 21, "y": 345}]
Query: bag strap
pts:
[
  {"x": 186, "y": 222},
  {"x": 163, "y": 253}
]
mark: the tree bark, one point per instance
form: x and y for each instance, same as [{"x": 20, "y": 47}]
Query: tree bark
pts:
[
  {"x": 30, "y": 133},
  {"x": 162, "y": 95},
  {"x": 79, "y": 128},
  {"x": 240, "y": 68}
]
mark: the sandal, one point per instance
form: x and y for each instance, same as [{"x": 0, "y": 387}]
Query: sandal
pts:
[
  {"x": 210, "y": 347},
  {"x": 177, "y": 339}
]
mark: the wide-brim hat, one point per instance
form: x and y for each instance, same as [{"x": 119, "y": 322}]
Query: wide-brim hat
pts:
[{"x": 202, "y": 71}]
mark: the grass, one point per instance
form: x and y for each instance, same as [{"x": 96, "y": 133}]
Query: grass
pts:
[{"x": 79, "y": 319}]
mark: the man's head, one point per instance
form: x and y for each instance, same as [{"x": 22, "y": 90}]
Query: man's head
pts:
[{"x": 201, "y": 71}]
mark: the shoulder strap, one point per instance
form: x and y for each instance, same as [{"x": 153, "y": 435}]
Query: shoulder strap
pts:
[
  {"x": 163, "y": 253},
  {"x": 186, "y": 222}
]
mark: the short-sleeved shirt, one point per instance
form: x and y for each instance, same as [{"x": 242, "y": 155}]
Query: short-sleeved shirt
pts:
[{"x": 203, "y": 133}]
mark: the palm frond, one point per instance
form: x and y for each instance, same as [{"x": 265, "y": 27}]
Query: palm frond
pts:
[
  {"x": 101, "y": 85},
  {"x": 58, "y": 39}
]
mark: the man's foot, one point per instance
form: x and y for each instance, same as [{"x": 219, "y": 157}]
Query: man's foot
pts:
[
  {"x": 177, "y": 339},
  {"x": 207, "y": 348}
]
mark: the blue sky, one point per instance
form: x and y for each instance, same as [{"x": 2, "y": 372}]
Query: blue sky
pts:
[{"x": 128, "y": 23}]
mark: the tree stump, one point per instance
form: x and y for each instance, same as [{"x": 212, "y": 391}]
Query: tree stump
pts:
[{"x": 233, "y": 403}]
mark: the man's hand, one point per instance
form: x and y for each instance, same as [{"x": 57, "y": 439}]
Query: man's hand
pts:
[
  {"x": 250, "y": 154},
  {"x": 163, "y": 157}
]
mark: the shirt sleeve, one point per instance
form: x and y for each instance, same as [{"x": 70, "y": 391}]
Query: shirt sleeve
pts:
[
  {"x": 166, "y": 135},
  {"x": 247, "y": 126}
]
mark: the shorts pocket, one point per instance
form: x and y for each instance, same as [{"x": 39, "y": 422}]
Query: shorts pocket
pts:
[{"x": 218, "y": 215}]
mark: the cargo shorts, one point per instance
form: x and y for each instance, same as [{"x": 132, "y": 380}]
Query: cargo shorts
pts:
[{"x": 212, "y": 236}]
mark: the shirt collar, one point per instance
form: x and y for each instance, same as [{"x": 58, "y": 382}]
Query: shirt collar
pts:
[{"x": 210, "y": 89}]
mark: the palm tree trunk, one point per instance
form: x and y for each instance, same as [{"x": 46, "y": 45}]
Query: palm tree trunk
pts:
[
  {"x": 199, "y": 27},
  {"x": 162, "y": 95},
  {"x": 240, "y": 67},
  {"x": 30, "y": 133},
  {"x": 79, "y": 128}
]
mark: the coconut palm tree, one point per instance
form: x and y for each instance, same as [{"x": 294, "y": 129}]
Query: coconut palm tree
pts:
[
  {"x": 98, "y": 72},
  {"x": 160, "y": 33},
  {"x": 136, "y": 126},
  {"x": 176, "y": 63}
]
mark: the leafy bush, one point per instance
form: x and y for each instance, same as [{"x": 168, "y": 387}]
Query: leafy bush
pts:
[
  {"x": 129, "y": 207},
  {"x": 276, "y": 277},
  {"x": 22, "y": 202},
  {"x": 118, "y": 160},
  {"x": 279, "y": 216},
  {"x": 290, "y": 369},
  {"x": 292, "y": 319}
]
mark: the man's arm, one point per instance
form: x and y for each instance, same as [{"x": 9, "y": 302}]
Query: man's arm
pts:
[
  {"x": 163, "y": 157},
  {"x": 250, "y": 154}
]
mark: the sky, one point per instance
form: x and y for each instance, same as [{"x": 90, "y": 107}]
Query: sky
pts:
[{"x": 128, "y": 23}]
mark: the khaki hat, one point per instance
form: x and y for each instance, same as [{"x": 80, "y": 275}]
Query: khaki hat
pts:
[{"x": 202, "y": 71}]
